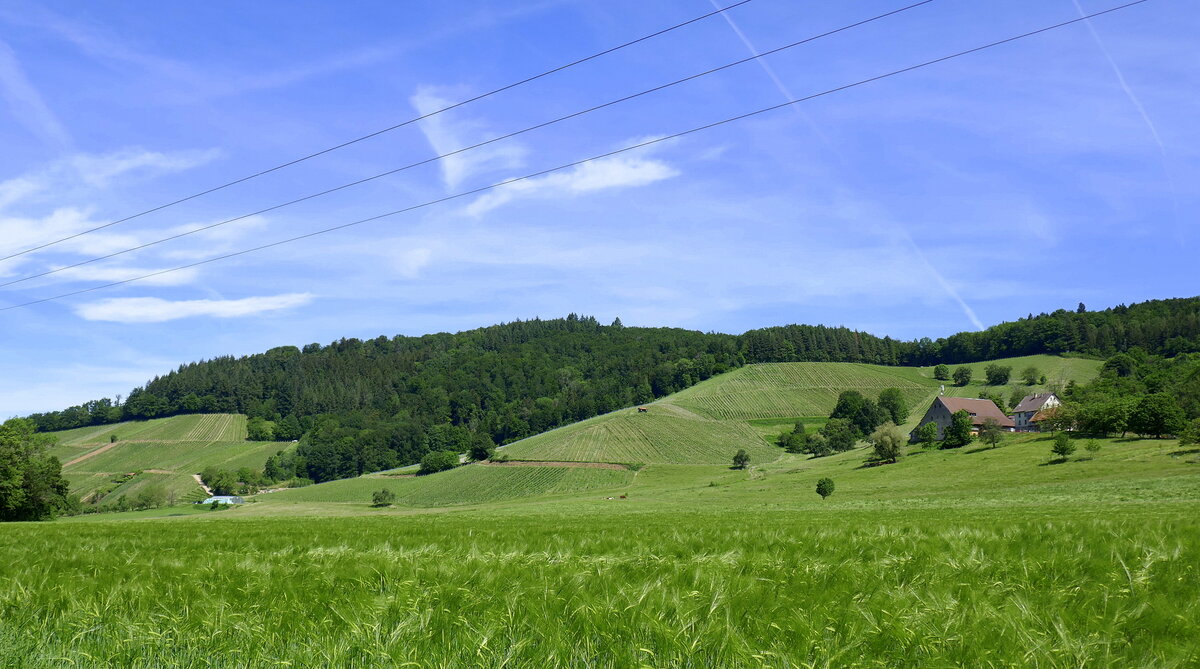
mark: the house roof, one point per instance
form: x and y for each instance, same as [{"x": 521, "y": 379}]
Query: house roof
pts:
[
  {"x": 980, "y": 410},
  {"x": 1033, "y": 402}
]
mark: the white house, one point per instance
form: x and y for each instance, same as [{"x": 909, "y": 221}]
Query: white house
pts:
[{"x": 1025, "y": 411}]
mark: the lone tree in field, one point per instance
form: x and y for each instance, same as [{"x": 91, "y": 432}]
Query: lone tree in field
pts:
[
  {"x": 741, "y": 459},
  {"x": 990, "y": 431},
  {"x": 942, "y": 372},
  {"x": 997, "y": 375},
  {"x": 888, "y": 442},
  {"x": 962, "y": 376},
  {"x": 825, "y": 487},
  {"x": 1062, "y": 447},
  {"x": 383, "y": 497},
  {"x": 1030, "y": 375},
  {"x": 959, "y": 431}
]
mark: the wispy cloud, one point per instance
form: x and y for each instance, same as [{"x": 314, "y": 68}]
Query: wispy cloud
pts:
[
  {"x": 446, "y": 133},
  {"x": 26, "y": 102},
  {"x": 156, "y": 310},
  {"x": 615, "y": 172},
  {"x": 113, "y": 273}
]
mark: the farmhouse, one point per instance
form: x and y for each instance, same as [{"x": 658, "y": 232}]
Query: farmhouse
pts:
[
  {"x": 943, "y": 408},
  {"x": 223, "y": 499},
  {"x": 1025, "y": 413}
]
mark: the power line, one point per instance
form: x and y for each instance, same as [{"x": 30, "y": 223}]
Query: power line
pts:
[
  {"x": 376, "y": 133},
  {"x": 576, "y": 163},
  {"x": 466, "y": 148}
]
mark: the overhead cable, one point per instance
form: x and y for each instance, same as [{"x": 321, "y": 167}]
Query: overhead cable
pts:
[
  {"x": 493, "y": 140},
  {"x": 576, "y": 163}
]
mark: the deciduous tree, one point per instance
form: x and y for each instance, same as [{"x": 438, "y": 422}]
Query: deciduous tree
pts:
[
  {"x": 888, "y": 442},
  {"x": 959, "y": 432},
  {"x": 962, "y": 376}
]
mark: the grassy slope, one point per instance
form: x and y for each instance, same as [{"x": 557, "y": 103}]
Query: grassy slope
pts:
[
  {"x": 472, "y": 484},
  {"x": 703, "y": 425}
]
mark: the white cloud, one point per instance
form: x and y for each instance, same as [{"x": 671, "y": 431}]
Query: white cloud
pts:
[
  {"x": 98, "y": 170},
  {"x": 110, "y": 274},
  {"x": 446, "y": 134},
  {"x": 26, "y": 103},
  {"x": 156, "y": 310},
  {"x": 615, "y": 172}
]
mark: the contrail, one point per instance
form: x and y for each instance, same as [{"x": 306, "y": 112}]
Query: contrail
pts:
[
  {"x": 970, "y": 313},
  {"x": 942, "y": 280},
  {"x": 783, "y": 89},
  {"x": 1137, "y": 103},
  {"x": 1121, "y": 79}
]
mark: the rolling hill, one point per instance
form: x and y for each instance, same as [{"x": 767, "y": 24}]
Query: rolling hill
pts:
[{"x": 702, "y": 426}]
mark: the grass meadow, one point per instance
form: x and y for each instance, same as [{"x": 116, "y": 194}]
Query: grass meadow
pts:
[{"x": 887, "y": 587}]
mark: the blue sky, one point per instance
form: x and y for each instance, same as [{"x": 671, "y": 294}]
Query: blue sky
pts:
[{"x": 1030, "y": 177}]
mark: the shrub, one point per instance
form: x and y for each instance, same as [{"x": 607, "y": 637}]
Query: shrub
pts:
[
  {"x": 1062, "y": 447},
  {"x": 1092, "y": 446},
  {"x": 438, "y": 461},
  {"x": 941, "y": 372},
  {"x": 383, "y": 497},
  {"x": 825, "y": 487}
]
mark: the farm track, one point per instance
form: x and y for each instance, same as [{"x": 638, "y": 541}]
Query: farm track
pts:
[{"x": 91, "y": 454}]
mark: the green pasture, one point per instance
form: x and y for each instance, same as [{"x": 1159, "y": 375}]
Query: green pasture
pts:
[
  {"x": 471, "y": 484},
  {"x": 664, "y": 434}
]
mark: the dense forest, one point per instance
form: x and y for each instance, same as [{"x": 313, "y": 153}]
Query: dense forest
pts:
[{"x": 364, "y": 405}]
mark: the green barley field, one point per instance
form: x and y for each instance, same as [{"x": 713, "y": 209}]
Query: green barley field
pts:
[{"x": 979, "y": 557}]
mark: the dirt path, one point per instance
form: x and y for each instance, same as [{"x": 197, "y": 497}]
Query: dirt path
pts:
[
  {"x": 92, "y": 454},
  {"x": 555, "y": 463},
  {"x": 200, "y": 482}
]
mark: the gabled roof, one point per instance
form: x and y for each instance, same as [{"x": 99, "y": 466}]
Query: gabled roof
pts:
[
  {"x": 980, "y": 410},
  {"x": 1033, "y": 402}
]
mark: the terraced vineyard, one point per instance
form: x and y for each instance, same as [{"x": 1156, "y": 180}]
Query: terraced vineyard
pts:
[
  {"x": 797, "y": 389},
  {"x": 472, "y": 484},
  {"x": 192, "y": 427},
  {"x": 169, "y": 463},
  {"x": 663, "y": 435}
]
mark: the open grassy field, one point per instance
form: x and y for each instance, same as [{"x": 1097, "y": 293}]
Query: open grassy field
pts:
[
  {"x": 1090, "y": 585},
  {"x": 472, "y": 484},
  {"x": 981, "y": 557}
]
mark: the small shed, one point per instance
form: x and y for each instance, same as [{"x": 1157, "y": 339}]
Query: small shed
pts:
[{"x": 223, "y": 499}]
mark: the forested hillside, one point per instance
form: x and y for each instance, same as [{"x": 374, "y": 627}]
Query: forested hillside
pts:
[{"x": 368, "y": 405}]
